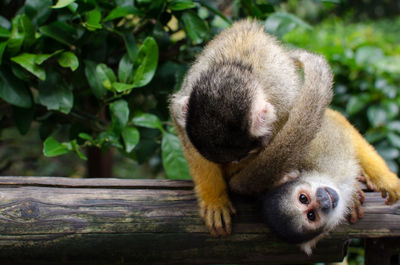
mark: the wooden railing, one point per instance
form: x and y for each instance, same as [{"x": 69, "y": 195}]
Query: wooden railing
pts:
[{"x": 52, "y": 220}]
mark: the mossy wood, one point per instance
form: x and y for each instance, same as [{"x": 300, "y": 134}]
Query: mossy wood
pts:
[{"x": 106, "y": 221}]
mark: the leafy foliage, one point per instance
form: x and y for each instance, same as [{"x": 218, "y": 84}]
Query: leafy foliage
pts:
[
  {"x": 98, "y": 73},
  {"x": 366, "y": 65}
]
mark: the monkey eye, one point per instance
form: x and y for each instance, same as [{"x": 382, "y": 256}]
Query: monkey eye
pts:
[
  {"x": 303, "y": 199},
  {"x": 311, "y": 216}
]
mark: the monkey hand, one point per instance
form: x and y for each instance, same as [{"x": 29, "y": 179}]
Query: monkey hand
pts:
[
  {"x": 217, "y": 216},
  {"x": 388, "y": 184},
  {"x": 356, "y": 211}
]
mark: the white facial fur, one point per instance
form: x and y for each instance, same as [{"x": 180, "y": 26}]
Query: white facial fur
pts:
[{"x": 337, "y": 215}]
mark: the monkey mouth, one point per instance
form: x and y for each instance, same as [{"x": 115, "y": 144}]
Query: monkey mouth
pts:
[{"x": 333, "y": 196}]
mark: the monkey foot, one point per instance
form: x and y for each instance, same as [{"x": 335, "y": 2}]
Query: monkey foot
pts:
[
  {"x": 388, "y": 186},
  {"x": 356, "y": 211},
  {"x": 217, "y": 217}
]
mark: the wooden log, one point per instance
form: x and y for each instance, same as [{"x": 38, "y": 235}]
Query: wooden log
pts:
[{"x": 102, "y": 221}]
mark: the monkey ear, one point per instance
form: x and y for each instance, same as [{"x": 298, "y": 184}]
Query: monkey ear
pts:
[
  {"x": 263, "y": 116},
  {"x": 181, "y": 109}
]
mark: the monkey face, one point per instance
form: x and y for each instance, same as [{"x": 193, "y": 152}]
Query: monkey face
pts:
[
  {"x": 304, "y": 210},
  {"x": 314, "y": 204}
]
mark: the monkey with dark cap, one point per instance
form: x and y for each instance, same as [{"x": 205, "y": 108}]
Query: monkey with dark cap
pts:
[{"x": 236, "y": 110}]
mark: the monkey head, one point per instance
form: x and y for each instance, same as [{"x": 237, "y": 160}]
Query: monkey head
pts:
[
  {"x": 302, "y": 211},
  {"x": 227, "y": 116}
]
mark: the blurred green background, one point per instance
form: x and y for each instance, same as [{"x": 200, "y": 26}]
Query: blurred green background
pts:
[{"x": 84, "y": 84}]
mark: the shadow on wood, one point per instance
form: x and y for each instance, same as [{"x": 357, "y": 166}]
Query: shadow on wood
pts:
[{"x": 102, "y": 221}]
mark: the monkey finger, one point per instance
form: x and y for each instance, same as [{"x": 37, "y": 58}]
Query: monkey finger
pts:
[
  {"x": 361, "y": 196},
  {"x": 227, "y": 220},
  {"x": 391, "y": 199},
  {"x": 362, "y": 179},
  {"x": 360, "y": 212},
  {"x": 231, "y": 208},
  {"x": 384, "y": 194},
  {"x": 210, "y": 222},
  {"x": 353, "y": 216},
  {"x": 203, "y": 212},
  {"x": 219, "y": 228}
]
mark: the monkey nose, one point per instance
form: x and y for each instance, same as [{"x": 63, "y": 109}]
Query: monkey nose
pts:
[
  {"x": 324, "y": 200},
  {"x": 327, "y": 198}
]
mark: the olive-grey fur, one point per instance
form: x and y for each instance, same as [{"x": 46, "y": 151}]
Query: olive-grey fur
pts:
[{"x": 286, "y": 151}]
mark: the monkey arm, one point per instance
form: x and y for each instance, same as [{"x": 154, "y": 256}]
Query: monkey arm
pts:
[
  {"x": 210, "y": 187},
  {"x": 286, "y": 151},
  {"x": 377, "y": 173}
]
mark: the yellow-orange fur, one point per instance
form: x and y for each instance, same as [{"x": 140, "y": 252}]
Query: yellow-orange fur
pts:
[{"x": 376, "y": 171}]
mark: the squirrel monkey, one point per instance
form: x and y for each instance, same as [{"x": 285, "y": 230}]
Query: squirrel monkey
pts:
[
  {"x": 321, "y": 186},
  {"x": 234, "y": 103},
  {"x": 305, "y": 209}
]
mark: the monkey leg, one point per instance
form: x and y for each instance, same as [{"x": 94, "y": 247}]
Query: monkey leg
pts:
[
  {"x": 211, "y": 190},
  {"x": 376, "y": 171}
]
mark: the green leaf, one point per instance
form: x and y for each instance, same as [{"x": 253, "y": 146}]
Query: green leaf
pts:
[
  {"x": 27, "y": 61},
  {"x": 5, "y": 23},
  {"x": 388, "y": 152},
  {"x": 55, "y": 95},
  {"x": 23, "y": 118},
  {"x": 86, "y": 136},
  {"x": 106, "y": 75},
  {"x": 122, "y": 11},
  {"x": 394, "y": 126},
  {"x": 61, "y": 32},
  {"x": 215, "y": 11},
  {"x": 75, "y": 146},
  {"x": 147, "y": 120},
  {"x": 68, "y": 59},
  {"x": 368, "y": 55},
  {"x": 131, "y": 46},
  {"x": 93, "y": 19},
  {"x": 376, "y": 116},
  {"x": 174, "y": 162},
  {"x": 40, "y": 58},
  {"x": 131, "y": 136},
  {"x": 147, "y": 59},
  {"x": 38, "y": 11},
  {"x": 4, "y": 33},
  {"x": 391, "y": 109},
  {"x": 51, "y": 147},
  {"x": 119, "y": 115},
  {"x": 94, "y": 81},
  {"x": 2, "y": 48},
  {"x": 178, "y": 5},
  {"x": 63, "y": 3},
  {"x": 195, "y": 27},
  {"x": 394, "y": 139},
  {"x": 125, "y": 68},
  {"x": 280, "y": 23},
  {"x": 17, "y": 36},
  {"x": 14, "y": 91},
  {"x": 373, "y": 137},
  {"x": 121, "y": 87},
  {"x": 27, "y": 29},
  {"x": 357, "y": 103}
]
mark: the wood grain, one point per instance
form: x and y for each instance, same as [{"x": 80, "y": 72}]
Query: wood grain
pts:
[{"x": 84, "y": 221}]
